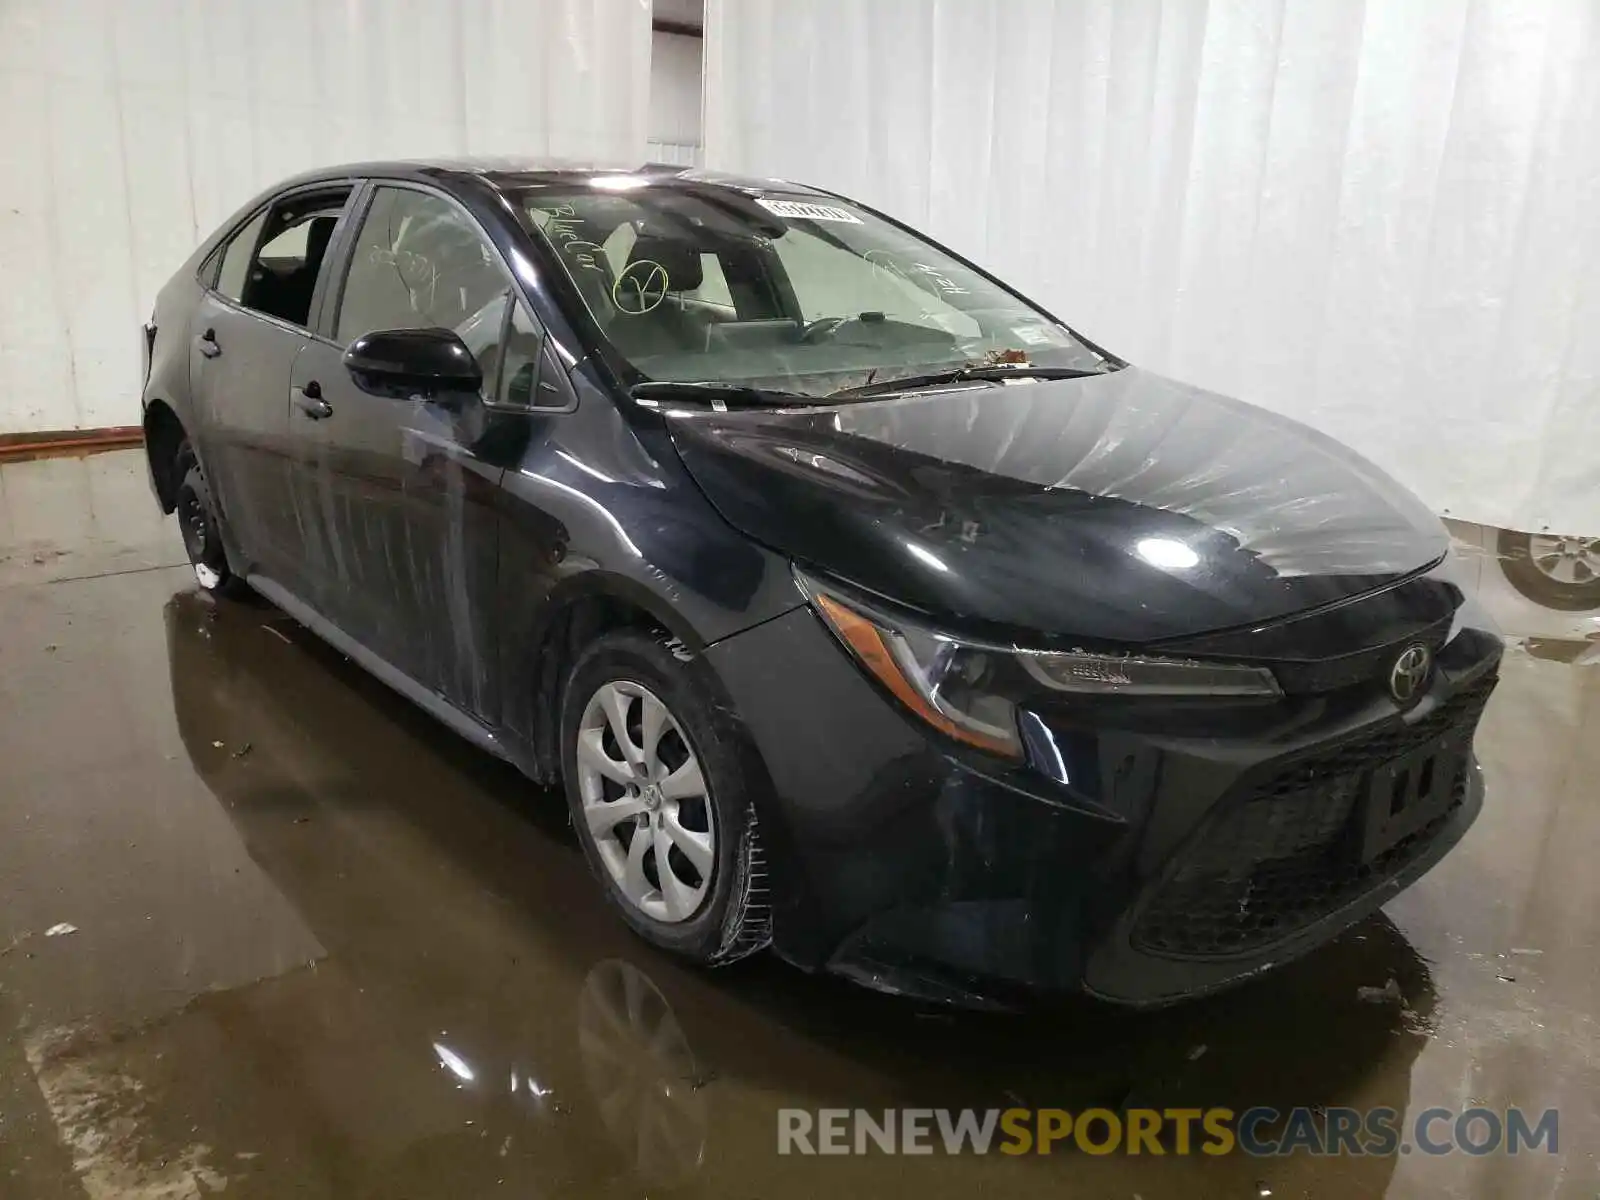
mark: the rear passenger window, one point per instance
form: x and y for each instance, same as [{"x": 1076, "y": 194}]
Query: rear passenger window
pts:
[
  {"x": 713, "y": 287},
  {"x": 236, "y": 258},
  {"x": 272, "y": 264},
  {"x": 618, "y": 246}
]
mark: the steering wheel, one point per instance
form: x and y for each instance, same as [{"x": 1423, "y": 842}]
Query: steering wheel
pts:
[{"x": 822, "y": 328}]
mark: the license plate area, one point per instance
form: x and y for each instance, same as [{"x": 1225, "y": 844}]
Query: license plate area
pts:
[{"x": 1407, "y": 793}]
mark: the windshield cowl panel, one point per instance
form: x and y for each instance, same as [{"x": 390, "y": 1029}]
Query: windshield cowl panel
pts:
[{"x": 786, "y": 292}]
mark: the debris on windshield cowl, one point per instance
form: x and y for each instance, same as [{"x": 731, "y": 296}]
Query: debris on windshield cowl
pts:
[{"x": 1006, "y": 358}]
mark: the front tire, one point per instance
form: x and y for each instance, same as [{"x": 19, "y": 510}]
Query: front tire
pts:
[
  {"x": 200, "y": 526},
  {"x": 658, "y": 782}
]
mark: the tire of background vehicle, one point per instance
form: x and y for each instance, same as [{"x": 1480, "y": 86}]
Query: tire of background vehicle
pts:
[
  {"x": 733, "y": 919},
  {"x": 1516, "y": 557},
  {"x": 200, "y": 527}
]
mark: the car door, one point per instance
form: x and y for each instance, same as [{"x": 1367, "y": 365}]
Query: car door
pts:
[
  {"x": 408, "y": 488},
  {"x": 250, "y": 325}
]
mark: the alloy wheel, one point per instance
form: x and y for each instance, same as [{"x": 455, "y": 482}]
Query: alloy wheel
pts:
[
  {"x": 1569, "y": 560},
  {"x": 196, "y": 530},
  {"x": 645, "y": 801},
  {"x": 642, "y": 1073}
]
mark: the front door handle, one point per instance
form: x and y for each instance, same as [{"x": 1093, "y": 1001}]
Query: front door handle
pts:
[
  {"x": 207, "y": 342},
  {"x": 308, "y": 399}
]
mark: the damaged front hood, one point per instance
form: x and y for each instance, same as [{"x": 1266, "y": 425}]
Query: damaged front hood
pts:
[{"x": 1121, "y": 508}]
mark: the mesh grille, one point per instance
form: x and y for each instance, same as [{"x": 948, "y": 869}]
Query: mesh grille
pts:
[{"x": 1282, "y": 852}]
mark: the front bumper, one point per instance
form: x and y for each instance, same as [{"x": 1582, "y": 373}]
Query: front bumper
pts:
[{"x": 900, "y": 861}]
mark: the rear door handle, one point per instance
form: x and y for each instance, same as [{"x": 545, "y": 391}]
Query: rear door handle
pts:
[
  {"x": 308, "y": 399},
  {"x": 207, "y": 342}
]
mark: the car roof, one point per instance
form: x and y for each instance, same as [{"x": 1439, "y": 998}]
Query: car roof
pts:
[{"x": 513, "y": 173}]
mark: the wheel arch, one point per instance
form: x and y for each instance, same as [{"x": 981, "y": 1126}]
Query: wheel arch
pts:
[
  {"x": 578, "y": 611},
  {"x": 163, "y": 434}
]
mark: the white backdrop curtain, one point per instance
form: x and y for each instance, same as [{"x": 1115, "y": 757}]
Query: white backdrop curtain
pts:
[
  {"x": 1382, "y": 218},
  {"x": 135, "y": 126}
]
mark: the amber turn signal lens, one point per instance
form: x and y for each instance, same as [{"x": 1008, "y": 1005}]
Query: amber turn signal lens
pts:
[{"x": 870, "y": 646}]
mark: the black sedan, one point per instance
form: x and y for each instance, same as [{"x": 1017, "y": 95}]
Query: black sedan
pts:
[{"x": 861, "y": 606}]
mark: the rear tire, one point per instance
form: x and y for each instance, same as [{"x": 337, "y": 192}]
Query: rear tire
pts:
[
  {"x": 679, "y": 791},
  {"x": 201, "y": 527}
]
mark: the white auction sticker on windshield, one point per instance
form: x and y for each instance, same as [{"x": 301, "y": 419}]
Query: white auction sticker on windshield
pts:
[
  {"x": 1036, "y": 335},
  {"x": 808, "y": 212}
]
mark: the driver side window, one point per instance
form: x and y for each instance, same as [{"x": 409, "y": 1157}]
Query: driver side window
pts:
[
  {"x": 421, "y": 263},
  {"x": 418, "y": 263}
]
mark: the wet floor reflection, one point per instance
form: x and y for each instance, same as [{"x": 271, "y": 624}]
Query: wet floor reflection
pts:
[
  {"x": 1542, "y": 589},
  {"x": 479, "y": 1014},
  {"x": 641, "y": 1074},
  {"x": 471, "y": 1018}
]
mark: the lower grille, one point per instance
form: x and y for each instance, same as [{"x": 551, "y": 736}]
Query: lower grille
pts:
[{"x": 1284, "y": 849}]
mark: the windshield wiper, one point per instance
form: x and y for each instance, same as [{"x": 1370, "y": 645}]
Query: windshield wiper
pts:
[
  {"x": 977, "y": 371},
  {"x": 718, "y": 395}
]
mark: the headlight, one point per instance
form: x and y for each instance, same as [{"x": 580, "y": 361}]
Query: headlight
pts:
[
  {"x": 1114, "y": 674},
  {"x": 970, "y": 690}
]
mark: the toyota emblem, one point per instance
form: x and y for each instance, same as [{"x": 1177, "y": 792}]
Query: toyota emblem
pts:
[{"x": 1410, "y": 673}]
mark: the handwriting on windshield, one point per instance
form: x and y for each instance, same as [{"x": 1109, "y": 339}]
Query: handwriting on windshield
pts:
[
  {"x": 921, "y": 275},
  {"x": 941, "y": 282},
  {"x": 565, "y": 229}
]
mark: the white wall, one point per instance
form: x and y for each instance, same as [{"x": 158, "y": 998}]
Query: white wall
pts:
[
  {"x": 1380, "y": 217},
  {"x": 134, "y": 126},
  {"x": 675, "y": 93}
]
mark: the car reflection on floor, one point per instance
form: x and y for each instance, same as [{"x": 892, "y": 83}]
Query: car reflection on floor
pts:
[
  {"x": 480, "y": 1017},
  {"x": 1542, "y": 589}
]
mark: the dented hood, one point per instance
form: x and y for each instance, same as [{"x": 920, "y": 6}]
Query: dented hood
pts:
[{"x": 1123, "y": 508}]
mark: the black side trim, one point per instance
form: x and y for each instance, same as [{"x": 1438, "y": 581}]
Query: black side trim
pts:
[{"x": 430, "y": 701}]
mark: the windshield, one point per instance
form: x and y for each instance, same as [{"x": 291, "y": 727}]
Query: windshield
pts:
[{"x": 784, "y": 291}]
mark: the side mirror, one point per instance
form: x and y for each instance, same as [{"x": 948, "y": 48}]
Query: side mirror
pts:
[{"x": 405, "y": 364}]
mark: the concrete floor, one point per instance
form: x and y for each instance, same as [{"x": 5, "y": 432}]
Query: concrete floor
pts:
[{"x": 322, "y": 948}]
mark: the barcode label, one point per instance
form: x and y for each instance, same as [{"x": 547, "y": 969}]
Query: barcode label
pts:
[{"x": 808, "y": 212}]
